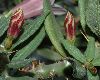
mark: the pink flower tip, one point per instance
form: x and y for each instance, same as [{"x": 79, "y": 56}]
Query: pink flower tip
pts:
[{"x": 31, "y": 8}]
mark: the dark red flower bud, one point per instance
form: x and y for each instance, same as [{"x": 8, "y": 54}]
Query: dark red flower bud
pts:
[
  {"x": 16, "y": 22},
  {"x": 70, "y": 27}
]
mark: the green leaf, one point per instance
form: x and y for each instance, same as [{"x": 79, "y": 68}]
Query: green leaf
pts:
[
  {"x": 17, "y": 1},
  {"x": 49, "y": 26},
  {"x": 19, "y": 63},
  {"x": 56, "y": 25},
  {"x": 49, "y": 54},
  {"x": 75, "y": 52},
  {"x": 4, "y": 24},
  {"x": 93, "y": 16},
  {"x": 96, "y": 62},
  {"x": 46, "y": 6},
  {"x": 82, "y": 8},
  {"x": 97, "y": 49},
  {"x": 92, "y": 77},
  {"x": 24, "y": 52},
  {"x": 90, "y": 51},
  {"x": 30, "y": 28},
  {"x": 51, "y": 29},
  {"x": 78, "y": 70},
  {"x": 2, "y": 78},
  {"x": 21, "y": 78}
]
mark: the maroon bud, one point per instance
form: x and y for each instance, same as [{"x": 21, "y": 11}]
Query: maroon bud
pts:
[
  {"x": 16, "y": 22},
  {"x": 70, "y": 27}
]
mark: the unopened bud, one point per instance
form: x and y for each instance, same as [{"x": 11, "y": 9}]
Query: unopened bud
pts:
[
  {"x": 16, "y": 22},
  {"x": 70, "y": 27}
]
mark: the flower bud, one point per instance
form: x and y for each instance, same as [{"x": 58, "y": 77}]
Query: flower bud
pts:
[
  {"x": 70, "y": 27},
  {"x": 16, "y": 22}
]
